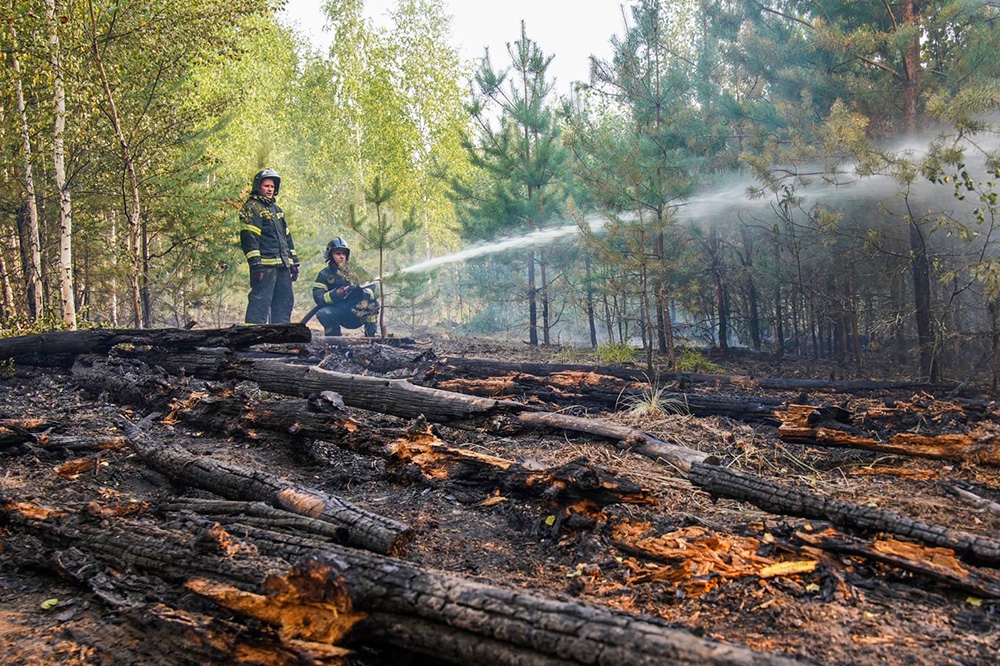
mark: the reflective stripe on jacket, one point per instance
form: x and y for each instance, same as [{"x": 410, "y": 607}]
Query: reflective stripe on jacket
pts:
[{"x": 264, "y": 235}]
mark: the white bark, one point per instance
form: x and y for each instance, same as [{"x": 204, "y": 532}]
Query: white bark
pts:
[
  {"x": 34, "y": 268},
  {"x": 66, "y": 294},
  {"x": 134, "y": 220}
]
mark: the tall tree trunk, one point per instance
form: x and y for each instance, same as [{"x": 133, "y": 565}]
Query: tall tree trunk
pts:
[
  {"x": 140, "y": 252},
  {"x": 922, "y": 301},
  {"x": 590, "y": 302},
  {"x": 545, "y": 301},
  {"x": 7, "y": 308},
  {"x": 66, "y": 294},
  {"x": 113, "y": 282},
  {"x": 720, "y": 294},
  {"x": 911, "y": 69},
  {"x": 532, "y": 302},
  {"x": 32, "y": 268},
  {"x": 661, "y": 315}
]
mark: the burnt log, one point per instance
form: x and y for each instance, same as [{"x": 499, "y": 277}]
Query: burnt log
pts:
[
  {"x": 356, "y": 527},
  {"x": 602, "y": 393},
  {"x": 478, "y": 368},
  {"x": 395, "y": 397},
  {"x": 937, "y": 564},
  {"x": 806, "y": 424},
  {"x": 625, "y": 437},
  {"x": 573, "y": 483},
  {"x": 415, "y": 453},
  {"x": 61, "y": 347},
  {"x": 784, "y": 500},
  {"x": 297, "y": 417},
  {"x": 349, "y": 597}
]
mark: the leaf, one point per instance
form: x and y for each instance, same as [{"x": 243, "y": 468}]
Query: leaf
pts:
[
  {"x": 550, "y": 520},
  {"x": 974, "y": 601},
  {"x": 812, "y": 587},
  {"x": 49, "y": 604}
]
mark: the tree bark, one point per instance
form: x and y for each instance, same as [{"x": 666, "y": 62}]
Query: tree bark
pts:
[
  {"x": 395, "y": 397},
  {"x": 60, "y": 347},
  {"x": 344, "y": 596},
  {"x": 804, "y": 424},
  {"x": 775, "y": 498},
  {"x": 67, "y": 295},
  {"x": 356, "y": 527},
  {"x": 134, "y": 221},
  {"x": 33, "y": 267}
]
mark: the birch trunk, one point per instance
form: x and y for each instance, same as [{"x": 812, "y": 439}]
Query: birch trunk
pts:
[
  {"x": 33, "y": 270},
  {"x": 137, "y": 243},
  {"x": 66, "y": 295}
]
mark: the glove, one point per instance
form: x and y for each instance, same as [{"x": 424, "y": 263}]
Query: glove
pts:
[
  {"x": 342, "y": 292},
  {"x": 256, "y": 275},
  {"x": 293, "y": 271}
]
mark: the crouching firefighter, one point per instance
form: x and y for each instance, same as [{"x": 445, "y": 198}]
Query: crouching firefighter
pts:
[
  {"x": 342, "y": 302},
  {"x": 270, "y": 252}
]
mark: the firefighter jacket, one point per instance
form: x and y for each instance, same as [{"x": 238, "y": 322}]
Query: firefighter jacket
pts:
[
  {"x": 330, "y": 279},
  {"x": 264, "y": 235}
]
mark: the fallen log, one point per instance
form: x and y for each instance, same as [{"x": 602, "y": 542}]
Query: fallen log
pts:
[
  {"x": 338, "y": 595},
  {"x": 573, "y": 483},
  {"x": 188, "y": 636},
  {"x": 395, "y": 397},
  {"x": 478, "y": 368},
  {"x": 356, "y": 527},
  {"x": 937, "y": 564},
  {"x": 257, "y": 514},
  {"x": 775, "y": 498},
  {"x": 601, "y": 393},
  {"x": 628, "y": 438},
  {"x": 806, "y": 424},
  {"x": 415, "y": 453},
  {"x": 61, "y": 347}
]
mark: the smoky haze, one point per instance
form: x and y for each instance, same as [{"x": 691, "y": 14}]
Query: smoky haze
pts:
[{"x": 731, "y": 202}]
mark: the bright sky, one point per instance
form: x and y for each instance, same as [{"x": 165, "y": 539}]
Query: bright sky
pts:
[{"x": 571, "y": 30}]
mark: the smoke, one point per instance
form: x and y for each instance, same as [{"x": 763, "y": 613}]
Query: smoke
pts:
[{"x": 730, "y": 201}]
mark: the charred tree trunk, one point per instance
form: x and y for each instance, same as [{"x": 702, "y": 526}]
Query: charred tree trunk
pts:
[
  {"x": 339, "y": 596},
  {"x": 389, "y": 396},
  {"x": 357, "y": 527},
  {"x": 806, "y": 424},
  {"x": 60, "y": 347},
  {"x": 774, "y": 498}
]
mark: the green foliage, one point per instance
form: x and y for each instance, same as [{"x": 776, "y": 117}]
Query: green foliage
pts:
[
  {"x": 612, "y": 353},
  {"x": 692, "y": 360}
]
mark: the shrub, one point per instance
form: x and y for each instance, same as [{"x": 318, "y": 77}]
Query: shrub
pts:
[
  {"x": 615, "y": 354},
  {"x": 692, "y": 360}
]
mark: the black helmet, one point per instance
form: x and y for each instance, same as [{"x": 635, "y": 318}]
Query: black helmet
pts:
[
  {"x": 337, "y": 244},
  {"x": 266, "y": 173}
]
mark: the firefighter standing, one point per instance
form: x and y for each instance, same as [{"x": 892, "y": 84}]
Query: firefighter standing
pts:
[
  {"x": 343, "y": 302},
  {"x": 270, "y": 253}
]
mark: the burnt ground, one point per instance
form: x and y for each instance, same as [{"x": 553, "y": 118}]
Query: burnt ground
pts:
[{"x": 846, "y": 611}]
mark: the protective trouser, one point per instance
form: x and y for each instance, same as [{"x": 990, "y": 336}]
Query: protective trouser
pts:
[
  {"x": 337, "y": 316},
  {"x": 271, "y": 297},
  {"x": 349, "y": 313}
]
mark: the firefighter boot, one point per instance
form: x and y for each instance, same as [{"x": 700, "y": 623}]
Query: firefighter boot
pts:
[
  {"x": 370, "y": 329},
  {"x": 332, "y": 330}
]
